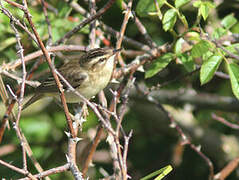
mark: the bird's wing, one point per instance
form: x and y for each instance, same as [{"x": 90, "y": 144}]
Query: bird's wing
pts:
[
  {"x": 33, "y": 99},
  {"x": 49, "y": 86}
]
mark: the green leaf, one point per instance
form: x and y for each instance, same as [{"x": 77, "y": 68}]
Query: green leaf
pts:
[
  {"x": 180, "y": 3},
  {"x": 204, "y": 8},
  {"x": 169, "y": 19},
  {"x": 64, "y": 10},
  {"x": 209, "y": 67},
  {"x": 232, "y": 48},
  {"x": 233, "y": 70},
  {"x": 235, "y": 28},
  {"x": 184, "y": 20},
  {"x": 197, "y": 4},
  {"x": 207, "y": 55},
  {"x": 200, "y": 48},
  {"x": 159, "y": 64},
  {"x": 229, "y": 21},
  {"x": 193, "y": 36},
  {"x": 178, "y": 46},
  {"x": 119, "y": 4},
  {"x": 161, "y": 173},
  {"x": 219, "y": 32},
  {"x": 145, "y": 7},
  {"x": 187, "y": 62}
]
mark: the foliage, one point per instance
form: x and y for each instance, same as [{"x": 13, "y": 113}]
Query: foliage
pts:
[{"x": 191, "y": 73}]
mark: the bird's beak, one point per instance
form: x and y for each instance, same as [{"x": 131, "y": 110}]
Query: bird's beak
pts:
[{"x": 117, "y": 50}]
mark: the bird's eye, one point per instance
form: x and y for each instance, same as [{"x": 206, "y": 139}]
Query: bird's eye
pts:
[{"x": 102, "y": 59}]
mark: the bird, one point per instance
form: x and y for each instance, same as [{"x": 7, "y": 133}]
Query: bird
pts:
[{"x": 89, "y": 74}]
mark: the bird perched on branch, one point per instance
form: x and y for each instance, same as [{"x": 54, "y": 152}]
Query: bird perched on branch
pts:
[{"x": 88, "y": 75}]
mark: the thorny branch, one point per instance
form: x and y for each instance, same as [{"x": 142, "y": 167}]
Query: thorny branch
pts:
[
  {"x": 101, "y": 111},
  {"x": 185, "y": 139}
]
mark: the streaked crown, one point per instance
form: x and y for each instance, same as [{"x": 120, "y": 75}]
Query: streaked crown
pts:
[{"x": 96, "y": 55}]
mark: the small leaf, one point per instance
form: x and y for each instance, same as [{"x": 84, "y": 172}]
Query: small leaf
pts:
[
  {"x": 200, "y": 48},
  {"x": 187, "y": 62},
  {"x": 159, "y": 64},
  {"x": 193, "y": 36},
  {"x": 181, "y": 46},
  {"x": 235, "y": 28},
  {"x": 204, "y": 11},
  {"x": 218, "y": 32},
  {"x": 197, "y": 4},
  {"x": 145, "y": 7},
  {"x": 207, "y": 55},
  {"x": 184, "y": 21},
  {"x": 233, "y": 48},
  {"x": 233, "y": 70},
  {"x": 161, "y": 173},
  {"x": 209, "y": 67},
  {"x": 205, "y": 8},
  {"x": 180, "y": 3},
  {"x": 229, "y": 21},
  {"x": 178, "y": 45},
  {"x": 119, "y": 4},
  {"x": 169, "y": 19}
]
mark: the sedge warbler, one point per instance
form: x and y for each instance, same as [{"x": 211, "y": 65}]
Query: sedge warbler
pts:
[{"x": 88, "y": 75}]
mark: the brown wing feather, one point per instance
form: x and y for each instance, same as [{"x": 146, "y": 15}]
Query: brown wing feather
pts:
[{"x": 71, "y": 74}]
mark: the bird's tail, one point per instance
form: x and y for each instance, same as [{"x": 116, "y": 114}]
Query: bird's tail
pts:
[{"x": 33, "y": 99}]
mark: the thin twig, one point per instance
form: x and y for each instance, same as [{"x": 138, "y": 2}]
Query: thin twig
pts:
[
  {"x": 142, "y": 29},
  {"x": 230, "y": 54},
  {"x": 44, "y": 6},
  {"x": 200, "y": 100},
  {"x": 31, "y": 83},
  {"x": 50, "y": 7},
  {"x": 71, "y": 158},
  {"x": 92, "y": 35},
  {"x": 68, "y": 48},
  {"x": 16, "y": 169},
  {"x": 225, "y": 122},
  {"x": 18, "y": 23},
  {"x": 122, "y": 30},
  {"x": 227, "y": 170},
  {"x": 130, "y": 41},
  {"x": 94, "y": 145},
  {"x": 185, "y": 139},
  {"x": 85, "y": 22},
  {"x": 22, "y": 90},
  {"x": 51, "y": 171},
  {"x": 126, "y": 147},
  {"x": 45, "y": 52},
  {"x": 91, "y": 105}
]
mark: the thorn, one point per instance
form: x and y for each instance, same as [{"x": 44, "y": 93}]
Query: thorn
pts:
[
  {"x": 67, "y": 134},
  {"x": 77, "y": 139},
  {"x": 172, "y": 125},
  {"x": 115, "y": 81},
  {"x": 198, "y": 147},
  {"x": 67, "y": 158}
]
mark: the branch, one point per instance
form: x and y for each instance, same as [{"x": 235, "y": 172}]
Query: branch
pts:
[
  {"x": 68, "y": 48},
  {"x": 227, "y": 170},
  {"x": 200, "y": 100},
  {"x": 55, "y": 170},
  {"x": 225, "y": 122},
  {"x": 85, "y": 22}
]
